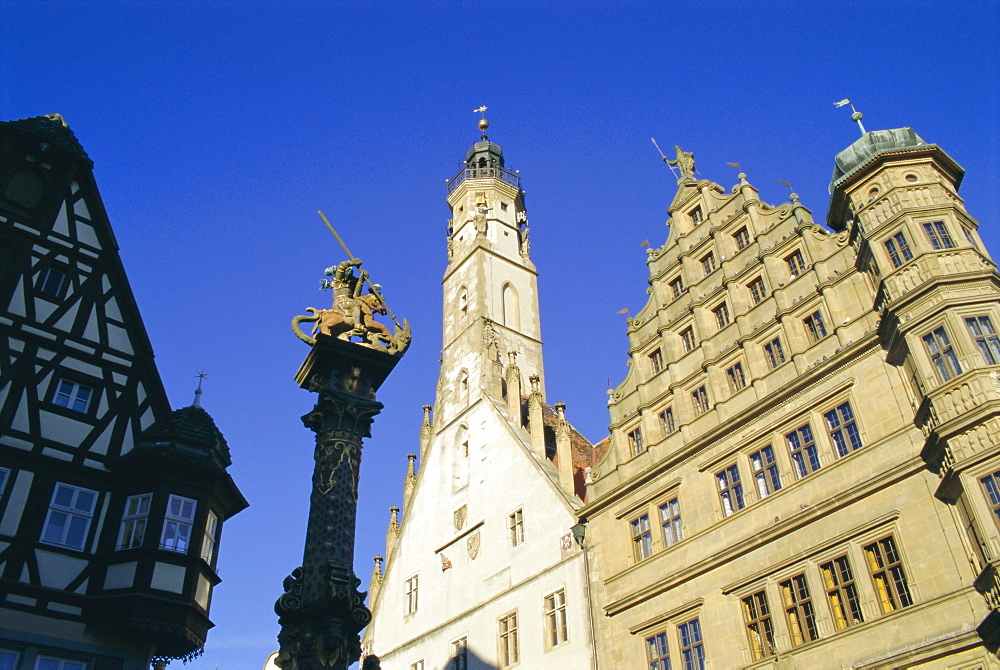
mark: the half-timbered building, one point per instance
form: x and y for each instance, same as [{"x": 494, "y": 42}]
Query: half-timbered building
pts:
[{"x": 111, "y": 505}]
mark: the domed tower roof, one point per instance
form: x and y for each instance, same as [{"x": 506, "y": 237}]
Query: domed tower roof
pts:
[
  {"x": 484, "y": 152},
  {"x": 874, "y": 144}
]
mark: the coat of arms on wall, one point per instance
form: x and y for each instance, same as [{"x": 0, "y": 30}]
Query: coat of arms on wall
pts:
[
  {"x": 460, "y": 515},
  {"x": 474, "y": 540}
]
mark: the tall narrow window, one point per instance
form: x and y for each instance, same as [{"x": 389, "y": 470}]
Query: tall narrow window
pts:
[
  {"x": 677, "y": 287},
  {"x": 460, "y": 654},
  {"x": 721, "y": 315},
  {"x": 757, "y": 290},
  {"x": 799, "y": 610},
  {"x": 692, "y": 650},
  {"x": 667, "y": 424},
  {"x": 510, "y": 650},
  {"x": 760, "y": 628},
  {"x": 463, "y": 300},
  {"x": 555, "y": 618},
  {"x": 73, "y": 396},
  {"x": 843, "y": 429},
  {"x": 670, "y": 522},
  {"x": 742, "y": 238},
  {"x": 708, "y": 263},
  {"x": 886, "y": 569},
  {"x": 208, "y": 540},
  {"x": 774, "y": 354},
  {"x": 991, "y": 484},
  {"x": 657, "y": 653},
  {"x": 700, "y": 399},
  {"x": 687, "y": 339},
  {"x": 815, "y": 326},
  {"x": 656, "y": 361},
  {"x": 937, "y": 235},
  {"x": 69, "y": 515},
  {"x": 134, "y": 518},
  {"x": 899, "y": 249},
  {"x": 642, "y": 538},
  {"x": 765, "y": 472},
  {"x": 982, "y": 331},
  {"x": 841, "y": 592},
  {"x": 737, "y": 380},
  {"x": 942, "y": 355},
  {"x": 511, "y": 307},
  {"x": 412, "y": 591},
  {"x": 730, "y": 490},
  {"x": 635, "y": 441},
  {"x": 796, "y": 263},
  {"x": 802, "y": 449},
  {"x": 177, "y": 524},
  {"x": 515, "y": 525}
]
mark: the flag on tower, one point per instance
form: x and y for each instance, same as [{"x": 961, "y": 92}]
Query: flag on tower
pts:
[
  {"x": 845, "y": 101},
  {"x": 645, "y": 243}
]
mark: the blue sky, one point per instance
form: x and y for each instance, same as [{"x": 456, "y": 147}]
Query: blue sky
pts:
[{"x": 219, "y": 128}]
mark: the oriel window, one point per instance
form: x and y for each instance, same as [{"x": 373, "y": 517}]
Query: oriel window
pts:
[
  {"x": 942, "y": 355},
  {"x": 982, "y": 331},
  {"x": 937, "y": 235}
]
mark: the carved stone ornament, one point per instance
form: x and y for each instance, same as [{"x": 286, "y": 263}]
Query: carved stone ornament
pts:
[
  {"x": 460, "y": 515},
  {"x": 473, "y": 544},
  {"x": 995, "y": 376}
]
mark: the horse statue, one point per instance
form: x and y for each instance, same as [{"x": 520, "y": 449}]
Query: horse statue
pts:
[{"x": 349, "y": 318}]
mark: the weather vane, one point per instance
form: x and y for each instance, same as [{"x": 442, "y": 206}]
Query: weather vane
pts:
[
  {"x": 855, "y": 116},
  {"x": 202, "y": 375},
  {"x": 483, "y": 123}
]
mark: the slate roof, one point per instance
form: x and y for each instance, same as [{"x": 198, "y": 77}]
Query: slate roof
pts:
[
  {"x": 54, "y": 130},
  {"x": 189, "y": 430}
]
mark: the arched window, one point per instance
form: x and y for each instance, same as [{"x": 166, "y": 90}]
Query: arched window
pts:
[{"x": 511, "y": 308}]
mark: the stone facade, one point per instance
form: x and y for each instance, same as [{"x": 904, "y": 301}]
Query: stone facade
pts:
[{"x": 803, "y": 469}]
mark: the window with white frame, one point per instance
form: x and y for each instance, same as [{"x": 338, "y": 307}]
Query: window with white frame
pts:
[
  {"x": 657, "y": 653},
  {"x": 991, "y": 485},
  {"x": 208, "y": 540},
  {"x": 555, "y": 618},
  {"x": 765, "y": 471},
  {"x": 68, "y": 520},
  {"x": 177, "y": 524},
  {"x": 515, "y": 527},
  {"x": 509, "y": 646},
  {"x": 417, "y": 665},
  {"x": 134, "y": 518},
  {"x": 73, "y": 396},
  {"x": 730, "y": 490},
  {"x": 412, "y": 590},
  {"x": 757, "y": 290},
  {"x": 460, "y": 654},
  {"x": 670, "y": 522}
]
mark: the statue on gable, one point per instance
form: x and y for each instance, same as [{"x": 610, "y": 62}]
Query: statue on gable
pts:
[{"x": 684, "y": 162}]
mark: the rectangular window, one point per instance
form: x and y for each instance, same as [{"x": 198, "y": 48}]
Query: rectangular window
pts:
[
  {"x": 692, "y": 651},
  {"x": 49, "y": 663},
  {"x": 677, "y": 287},
  {"x": 721, "y": 315},
  {"x": 742, "y": 238},
  {"x": 177, "y": 524},
  {"x": 642, "y": 538},
  {"x": 760, "y": 628},
  {"x": 68, "y": 520},
  {"x": 899, "y": 250},
  {"x": 510, "y": 652},
  {"x": 937, "y": 235},
  {"x": 657, "y": 654},
  {"x": 886, "y": 569},
  {"x": 799, "y": 610},
  {"x": 8, "y": 659},
  {"x": 796, "y": 263},
  {"x": 515, "y": 526},
  {"x": 765, "y": 472},
  {"x": 708, "y": 263},
  {"x": 737, "y": 380},
  {"x": 757, "y": 290},
  {"x": 843, "y": 429},
  {"x": 208, "y": 541},
  {"x": 635, "y": 441},
  {"x": 814, "y": 326},
  {"x": 412, "y": 591},
  {"x": 991, "y": 485},
  {"x": 666, "y": 418},
  {"x": 52, "y": 282},
  {"x": 417, "y": 665},
  {"x": 802, "y": 449},
  {"x": 687, "y": 339},
  {"x": 841, "y": 592},
  {"x": 555, "y": 618},
  {"x": 73, "y": 396},
  {"x": 696, "y": 215},
  {"x": 460, "y": 654},
  {"x": 730, "y": 490},
  {"x": 670, "y": 522},
  {"x": 700, "y": 398},
  {"x": 774, "y": 353},
  {"x": 982, "y": 331},
  {"x": 134, "y": 518},
  {"x": 942, "y": 355},
  {"x": 656, "y": 361}
]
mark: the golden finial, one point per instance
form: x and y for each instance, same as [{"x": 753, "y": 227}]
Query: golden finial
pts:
[{"x": 483, "y": 123}]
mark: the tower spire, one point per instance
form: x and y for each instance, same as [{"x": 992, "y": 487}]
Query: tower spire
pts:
[{"x": 197, "y": 392}]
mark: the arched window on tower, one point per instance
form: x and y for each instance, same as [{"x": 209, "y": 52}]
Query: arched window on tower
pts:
[{"x": 511, "y": 308}]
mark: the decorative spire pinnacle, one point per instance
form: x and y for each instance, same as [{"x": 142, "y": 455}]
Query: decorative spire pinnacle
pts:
[
  {"x": 197, "y": 392},
  {"x": 855, "y": 116},
  {"x": 483, "y": 123}
]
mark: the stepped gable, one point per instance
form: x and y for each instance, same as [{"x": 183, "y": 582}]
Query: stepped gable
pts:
[{"x": 53, "y": 129}]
